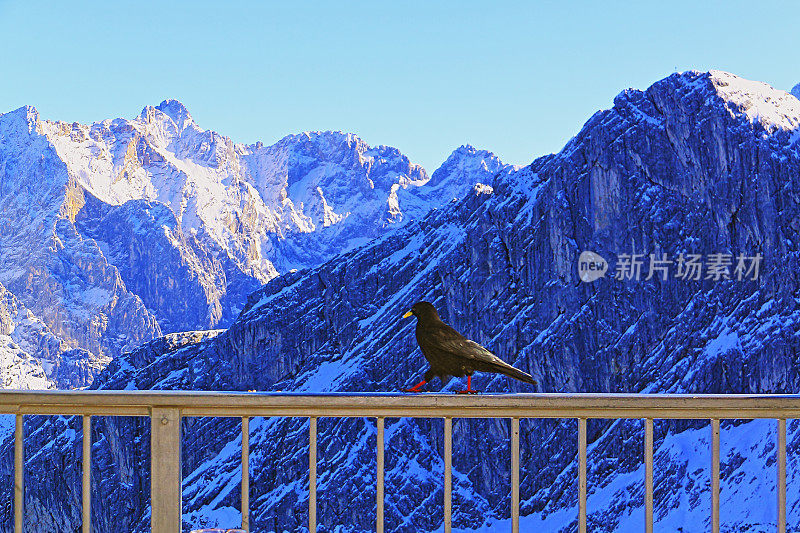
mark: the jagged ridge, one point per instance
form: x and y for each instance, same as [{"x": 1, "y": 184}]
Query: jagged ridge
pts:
[{"x": 124, "y": 229}]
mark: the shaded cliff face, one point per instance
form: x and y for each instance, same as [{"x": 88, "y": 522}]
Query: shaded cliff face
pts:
[
  {"x": 170, "y": 270},
  {"x": 698, "y": 163},
  {"x": 118, "y": 231}
]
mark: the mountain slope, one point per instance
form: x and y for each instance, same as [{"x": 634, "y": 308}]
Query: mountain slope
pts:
[{"x": 20, "y": 335}]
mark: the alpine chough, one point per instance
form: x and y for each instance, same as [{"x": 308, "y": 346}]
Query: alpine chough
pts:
[{"x": 450, "y": 354}]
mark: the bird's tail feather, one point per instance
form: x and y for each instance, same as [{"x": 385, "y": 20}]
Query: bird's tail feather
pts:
[{"x": 512, "y": 372}]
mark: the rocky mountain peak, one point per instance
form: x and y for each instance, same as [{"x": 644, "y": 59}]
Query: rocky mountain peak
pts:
[
  {"x": 170, "y": 116},
  {"x": 347, "y": 149},
  {"x": 463, "y": 164},
  {"x": 796, "y": 91},
  {"x": 176, "y": 111},
  {"x": 23, "y": 120}
]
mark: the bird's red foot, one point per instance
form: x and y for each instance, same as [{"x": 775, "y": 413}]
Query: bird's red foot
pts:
[
  {"x": 469, "y": 389},
  {"x": 417, "y": 387}
]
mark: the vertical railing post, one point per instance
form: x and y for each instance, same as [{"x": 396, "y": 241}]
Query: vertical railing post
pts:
[
  {"x": 312, "y": 474},
  {"x": 648, "y": 475},
  {"x": 379, "y": 519},
  {"x": 582, "y": 475},
  {"x": 715, "y": 475},
  {"x": 86, "y": 478},
  {"x": 19, "y": 471},
  {"x": 246, "y": 473},
  {"x": 448, "y": 474},
  {"x": 165, "y": 469},
  {"x": 515, "y": 475},
  {"x": 781, "y": 452}
]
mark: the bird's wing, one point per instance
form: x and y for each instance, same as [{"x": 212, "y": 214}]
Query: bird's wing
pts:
[
  {"x": 477, "y": 357},
  {"x": 447, "y": 339}
]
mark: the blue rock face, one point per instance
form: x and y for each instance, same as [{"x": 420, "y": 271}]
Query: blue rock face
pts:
[{"x": 699, "y": 163}]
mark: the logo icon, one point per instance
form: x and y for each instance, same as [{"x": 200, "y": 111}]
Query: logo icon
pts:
[{"x": 591, "y": 266}]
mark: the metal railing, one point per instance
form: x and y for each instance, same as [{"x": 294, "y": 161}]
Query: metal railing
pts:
[{"x": 165, "y": 410}]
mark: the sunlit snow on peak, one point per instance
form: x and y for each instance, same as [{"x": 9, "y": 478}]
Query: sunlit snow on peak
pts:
[{"x": 772, "y": 108}]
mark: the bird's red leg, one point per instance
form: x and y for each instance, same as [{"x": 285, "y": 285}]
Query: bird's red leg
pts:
[
  {"x": 469, "y": 387},
  {"x": 416, "y": 387}
]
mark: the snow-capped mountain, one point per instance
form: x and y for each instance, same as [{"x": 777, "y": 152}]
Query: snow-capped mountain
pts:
[
  {"x": 240, "y": 199},
  {"x": 698, "y": 163},
  {"x": 329, "y": 192},
  {"x": 796, "y": 91},
  {"x": 118, "y": 231},
  {"x": 453, "y": 181}
]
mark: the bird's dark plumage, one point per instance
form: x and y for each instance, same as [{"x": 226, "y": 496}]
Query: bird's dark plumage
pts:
[{"x": 450, "y": 354}]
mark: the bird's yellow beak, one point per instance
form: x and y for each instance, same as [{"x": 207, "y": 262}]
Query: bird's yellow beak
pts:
[{"x": 408, "y": 314}]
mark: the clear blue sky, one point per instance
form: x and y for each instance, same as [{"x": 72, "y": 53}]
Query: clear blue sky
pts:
[{"x": 516, "y": 78}]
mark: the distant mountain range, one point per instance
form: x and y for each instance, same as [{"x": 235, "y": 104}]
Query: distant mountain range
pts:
[
  {"x": 699, "y": 163},
  {"x": 117, "y": 232}
]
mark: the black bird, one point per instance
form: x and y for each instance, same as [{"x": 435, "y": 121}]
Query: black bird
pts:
[{"x": 450, "y": 354}]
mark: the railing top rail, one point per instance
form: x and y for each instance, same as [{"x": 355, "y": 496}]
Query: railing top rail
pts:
[{"x": 546, "y": 405}]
